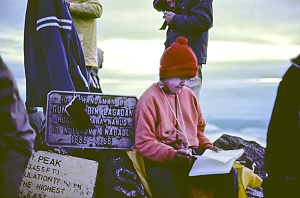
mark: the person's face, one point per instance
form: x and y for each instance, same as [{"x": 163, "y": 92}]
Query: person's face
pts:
[{"x": 173, "y": 85}]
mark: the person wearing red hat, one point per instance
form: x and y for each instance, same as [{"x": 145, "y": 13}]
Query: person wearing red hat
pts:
[
  {"x": 191, "y": 19},
  {"x": 169, "y": 126}
]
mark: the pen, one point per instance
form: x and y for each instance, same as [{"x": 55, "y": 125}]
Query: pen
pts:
[
  {"x": 194, "y": 152},
  {"x": 181, "y": 145}
]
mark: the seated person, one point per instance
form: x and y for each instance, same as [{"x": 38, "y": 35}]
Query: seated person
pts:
[{"x": 170, "y": 126}]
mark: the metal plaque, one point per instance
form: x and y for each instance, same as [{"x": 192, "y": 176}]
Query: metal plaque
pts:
[
  {"x": 112, "y": 119},
  {"x": 54, "y": 175}
]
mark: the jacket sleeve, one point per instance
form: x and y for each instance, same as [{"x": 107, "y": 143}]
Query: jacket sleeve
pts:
[
  {"x": 198, "y": 18},
  {"x": 55, "y": 32},
  {"x": 146, "y": 142},
  {"x": 204, "y": 142},
  {"x": 86, "y": 10}
]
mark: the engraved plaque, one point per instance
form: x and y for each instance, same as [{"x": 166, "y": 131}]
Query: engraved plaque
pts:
[{"x": 111, "y": 118}]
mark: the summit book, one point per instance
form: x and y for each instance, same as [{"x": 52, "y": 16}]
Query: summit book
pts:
[{"x": 211, "y": 162}]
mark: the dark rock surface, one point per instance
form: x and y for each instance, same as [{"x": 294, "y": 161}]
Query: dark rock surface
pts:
[
  {"x": 118, "y": 178},
  {"x": 253, "y": 158}
]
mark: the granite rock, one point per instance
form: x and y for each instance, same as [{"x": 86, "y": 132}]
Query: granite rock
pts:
[{"x": 253, "y": 157}]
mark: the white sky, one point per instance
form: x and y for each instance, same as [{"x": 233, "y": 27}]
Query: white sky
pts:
[{"x": 243, "y": 29}]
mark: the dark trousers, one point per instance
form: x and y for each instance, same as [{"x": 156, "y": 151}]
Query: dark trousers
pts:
[
  {"x": 195, "y": 83},
  {"x": 172, "y": 181}
]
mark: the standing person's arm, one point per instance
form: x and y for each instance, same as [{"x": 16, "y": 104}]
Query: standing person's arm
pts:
[
  {"x": 199, "y": 17},
  {"x": 86, "y": 10},
  {"x": 66, "y": 68},
  {"x": 204, "y": 142}
]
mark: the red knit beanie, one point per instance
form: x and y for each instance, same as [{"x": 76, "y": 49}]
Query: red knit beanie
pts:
[{"x": 178, "y": 60}]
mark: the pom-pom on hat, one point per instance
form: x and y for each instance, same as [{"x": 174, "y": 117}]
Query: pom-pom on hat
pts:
[{"x": 178, "y": 60}]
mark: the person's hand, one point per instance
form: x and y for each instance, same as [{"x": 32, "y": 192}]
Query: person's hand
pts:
[
  {"x": 168, "y": 16},
  {"x": 171, "y": 2},
  {"x": 183, "y": 156},
  {"x": 214, "y": 148}
]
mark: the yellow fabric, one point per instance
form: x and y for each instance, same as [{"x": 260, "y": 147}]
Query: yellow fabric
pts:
[
  {"x": 84, "y": 14},
  {"x": 138, "y": 163},
  {"x": 200, "y": 193},
  {"x": 246, "y": 177}
]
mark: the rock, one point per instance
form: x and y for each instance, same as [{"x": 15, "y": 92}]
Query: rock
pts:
[
  {"x": 117, "y": 176},
  {"x": 253, "y": 158}
]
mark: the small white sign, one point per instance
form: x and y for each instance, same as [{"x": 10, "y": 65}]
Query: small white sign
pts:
[{"x": 54, "y": 175}]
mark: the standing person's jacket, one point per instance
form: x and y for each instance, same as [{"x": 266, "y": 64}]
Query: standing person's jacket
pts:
[
  {"x": 53, "y": 54},
  {"x": 282, "y": 149},
  {"x": 16, "y": 135},
  {"x": 84, "y": 13},
  {"x": 193, "y": 19},
  {"x": 284, "y": 127}
]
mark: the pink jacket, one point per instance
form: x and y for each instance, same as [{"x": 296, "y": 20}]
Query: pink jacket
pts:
[{"x": 155, "y": 122}]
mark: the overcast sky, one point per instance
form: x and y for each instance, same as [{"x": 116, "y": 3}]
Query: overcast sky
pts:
[
  {"x": 243, "y": 25},
  {"x": 132, "y": 44}
]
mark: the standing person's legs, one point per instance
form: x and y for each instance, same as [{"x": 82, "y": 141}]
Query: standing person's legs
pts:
[
  {"x": 89, "y": 70},
  {"x": 95, "y": 81},
  {"x": 195, "y": 83}
]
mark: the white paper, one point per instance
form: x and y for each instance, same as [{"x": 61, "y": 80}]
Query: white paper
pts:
[{"x": 212, "y": 162}]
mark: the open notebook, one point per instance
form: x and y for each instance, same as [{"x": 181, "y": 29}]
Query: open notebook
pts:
[{"x": 211, "y": 162}]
